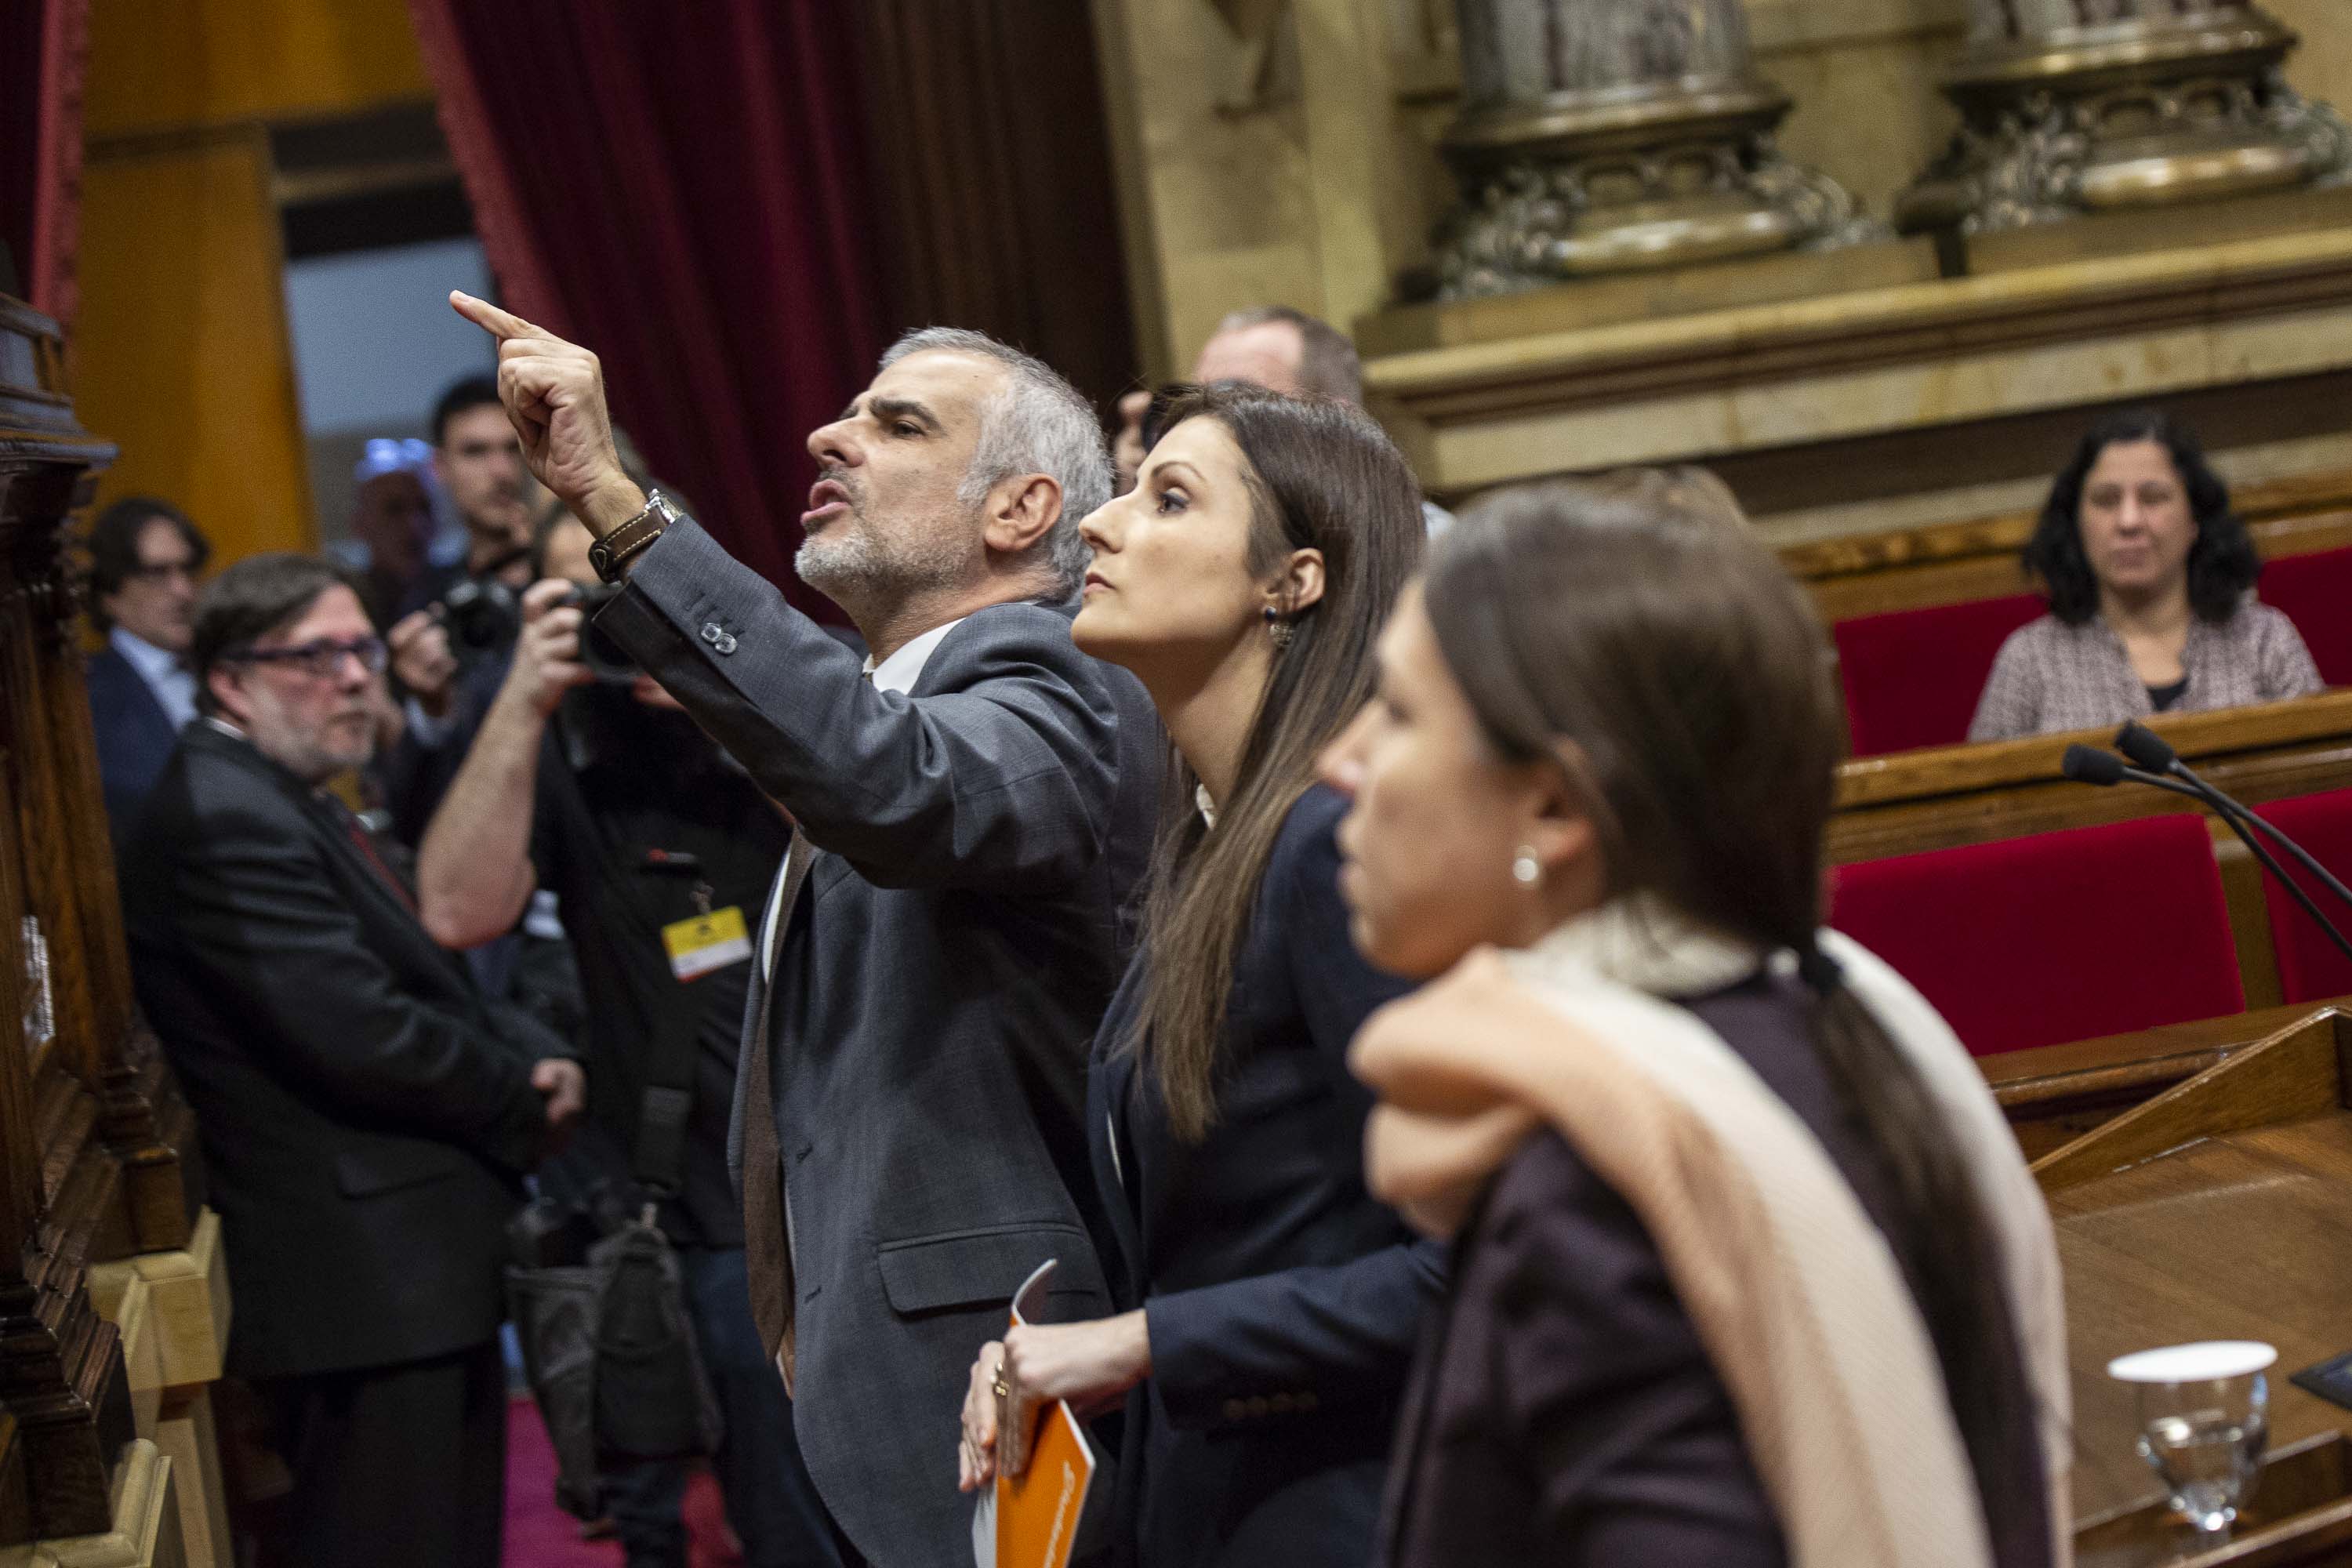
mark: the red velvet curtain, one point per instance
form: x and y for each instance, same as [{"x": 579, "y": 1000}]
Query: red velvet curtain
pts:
[
  {"x": 43, "y": 47},
  {"x": 681, "y": 188}
]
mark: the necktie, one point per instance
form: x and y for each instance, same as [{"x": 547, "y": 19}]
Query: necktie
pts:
[
  {"x": 767, "y": 1221},
  {"x": 768, "y": 1258},
  {"x": 364, "y": 842}
]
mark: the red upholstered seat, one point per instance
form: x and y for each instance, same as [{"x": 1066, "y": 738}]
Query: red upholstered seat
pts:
[
  {"x": 2055, "y": 937},
  {"x": 2316, "y": 592},
  {"x": 1913, "y": 677},
  {"x": 2309, "y": 967}
]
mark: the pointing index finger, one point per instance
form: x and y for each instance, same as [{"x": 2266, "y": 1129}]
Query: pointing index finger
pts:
[{"x": 499, "y": 324}]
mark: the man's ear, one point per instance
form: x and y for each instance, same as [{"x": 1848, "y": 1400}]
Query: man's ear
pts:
[
  {"x": 228, "y": 693},
  {"x": 1022, "y": 511}
]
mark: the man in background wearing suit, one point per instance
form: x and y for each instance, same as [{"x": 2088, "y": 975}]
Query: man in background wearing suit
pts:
[
  {"x": 975, "y": 805},
  {"x": 1277, "y": 347},
  {"x": 145, "y": 560},
  {"x": 366, "y": 1113}
]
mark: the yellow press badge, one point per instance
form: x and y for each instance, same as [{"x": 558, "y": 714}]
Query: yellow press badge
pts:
[{"x": 705, "y": 943}]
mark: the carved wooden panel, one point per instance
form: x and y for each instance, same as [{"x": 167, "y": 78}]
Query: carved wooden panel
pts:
[{"x": 90, "y": 1123}]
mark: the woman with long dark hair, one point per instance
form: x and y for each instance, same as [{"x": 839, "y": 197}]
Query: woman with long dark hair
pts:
[
  {"x": 1748, "y": 1269},
  {"x": 1271, "y": 1302},
  {"x": 2151, "y": 577}
]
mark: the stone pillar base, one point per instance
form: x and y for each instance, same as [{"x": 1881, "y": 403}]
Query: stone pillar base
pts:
[
  {"x": 1646, "y": 178},
  {"x": 2122, "y": 117}
]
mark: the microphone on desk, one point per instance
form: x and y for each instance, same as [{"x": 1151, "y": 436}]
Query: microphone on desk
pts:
[
  {"x": 2161, "y": 767},
  {"x": 2088, "y": 765},
  {"x": 2154, "y": 754}
]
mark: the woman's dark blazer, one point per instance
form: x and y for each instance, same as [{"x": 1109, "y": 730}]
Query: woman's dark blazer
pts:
[{"x": 1283, "y": 1300}]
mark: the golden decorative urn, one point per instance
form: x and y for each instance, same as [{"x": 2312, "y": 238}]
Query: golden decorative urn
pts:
[{"x": 1603, "y": 136}]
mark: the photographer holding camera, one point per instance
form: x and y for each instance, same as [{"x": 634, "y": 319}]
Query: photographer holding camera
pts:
[
  {"x": 452, "y": 628},
  {"x": 587, "y": 780}
]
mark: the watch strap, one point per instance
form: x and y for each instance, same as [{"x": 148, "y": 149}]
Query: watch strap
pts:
[{"x": 609, "y": 554}]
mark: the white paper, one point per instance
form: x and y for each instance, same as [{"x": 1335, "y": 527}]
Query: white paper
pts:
[{"x": 983, "y": 1529}]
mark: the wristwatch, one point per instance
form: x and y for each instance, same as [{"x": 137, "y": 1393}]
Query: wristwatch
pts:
[{"x": 626, "y": 542}]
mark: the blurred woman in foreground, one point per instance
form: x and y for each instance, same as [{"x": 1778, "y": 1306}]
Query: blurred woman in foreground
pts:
[{"x": 1748, "y": 1269}]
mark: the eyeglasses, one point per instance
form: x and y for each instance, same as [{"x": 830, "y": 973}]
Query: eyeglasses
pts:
[
  {"x": 163, "y": 571},
  {"x": 323, "y": 659}
]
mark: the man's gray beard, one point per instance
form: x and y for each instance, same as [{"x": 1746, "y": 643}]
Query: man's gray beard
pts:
[
  {"x": 858, "y": 567},
  {"x": 301, "y": 753}
]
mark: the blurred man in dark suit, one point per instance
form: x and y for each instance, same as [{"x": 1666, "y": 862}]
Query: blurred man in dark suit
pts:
[
  {"x": 366, "y": 1113},
  {"x": 145, "y": 559}
]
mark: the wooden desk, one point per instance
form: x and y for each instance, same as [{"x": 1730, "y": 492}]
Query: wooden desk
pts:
[
  {"x": 1947, "y": 795},
  {"x": 1952, "y": 795},
  {"x": 2055, "y": 1094},
  {"x": 2220, "y": 1208}
]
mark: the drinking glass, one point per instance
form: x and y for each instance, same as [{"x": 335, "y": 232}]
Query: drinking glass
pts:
[{"x": 2204, "y": 1419}]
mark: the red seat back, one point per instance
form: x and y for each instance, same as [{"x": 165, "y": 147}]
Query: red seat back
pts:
[
  {"x": 2309, "y": 967},
  {"x": 2055, "y": 937},
  {"x": 2315, "y": 593},
  {"x": 1913, "y": 677}
]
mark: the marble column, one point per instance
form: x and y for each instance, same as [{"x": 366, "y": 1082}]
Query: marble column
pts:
[
  {"x": 2072, "y": 107},
  {"x": 1601, "y": 136}
]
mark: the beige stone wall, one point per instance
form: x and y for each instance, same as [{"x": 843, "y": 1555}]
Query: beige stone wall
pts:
[
  {"x": 2323, "y": 67},
  {"x": 1283, "y": 151},
  {"x": 1862, "y": 75},
  {"x": 1258, "y": 154}
]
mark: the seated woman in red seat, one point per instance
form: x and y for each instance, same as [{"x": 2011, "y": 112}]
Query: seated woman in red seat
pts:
[
  {"x": 2151, "y": 580},
  {"x": 1747, "y": 1267}
]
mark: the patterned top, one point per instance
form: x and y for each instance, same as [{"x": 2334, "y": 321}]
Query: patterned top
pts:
[{"x": 2051, "y": 677}]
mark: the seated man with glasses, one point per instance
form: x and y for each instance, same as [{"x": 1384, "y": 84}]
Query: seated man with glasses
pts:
[
  {"x": 145, "y": 560},
  {"x": 367, "y": 1114}
]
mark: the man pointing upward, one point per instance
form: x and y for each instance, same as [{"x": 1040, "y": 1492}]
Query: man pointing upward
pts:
[{"x": 975, "y": 805}]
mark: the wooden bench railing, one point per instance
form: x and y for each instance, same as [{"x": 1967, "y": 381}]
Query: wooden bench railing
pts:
[{"x": 1952, "y": 795}]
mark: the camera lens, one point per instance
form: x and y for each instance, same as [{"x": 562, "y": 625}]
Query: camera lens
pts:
[{"x": 481, "y": 615}]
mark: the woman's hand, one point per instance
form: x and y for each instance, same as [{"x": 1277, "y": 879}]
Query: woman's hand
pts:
[
  {"x": 1092, "y": 1365},
  {"x": 975, "y": 1454}
]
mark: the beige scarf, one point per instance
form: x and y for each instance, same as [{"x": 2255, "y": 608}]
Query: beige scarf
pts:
[{"x": 1798, "y": 1300}]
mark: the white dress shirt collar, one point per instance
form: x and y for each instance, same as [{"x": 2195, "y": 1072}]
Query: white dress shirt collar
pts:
[
  {"x": 165, "y": 675},
  {"x": 900, "y": 671}
]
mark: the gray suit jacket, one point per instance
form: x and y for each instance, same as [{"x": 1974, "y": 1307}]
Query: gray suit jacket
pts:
[{"x": 949, "y": 953}]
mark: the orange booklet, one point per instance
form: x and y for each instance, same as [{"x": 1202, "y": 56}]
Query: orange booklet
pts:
[{"x": 1031, "y": 1521}]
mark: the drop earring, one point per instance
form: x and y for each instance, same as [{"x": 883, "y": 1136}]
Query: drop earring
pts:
[
  {"x": 1277, "y": 628},
  {"x": 1527, "y": 869}
]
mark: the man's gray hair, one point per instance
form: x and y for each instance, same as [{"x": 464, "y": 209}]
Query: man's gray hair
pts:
[
  {"x": 1039, "y": 424},
  {"x": 1327, "y": 365}
]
